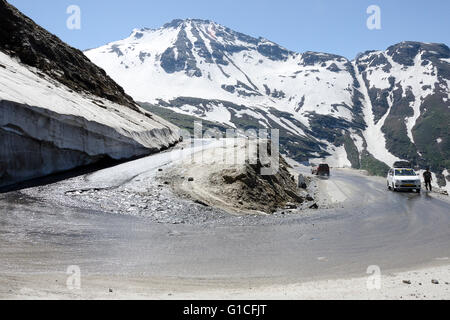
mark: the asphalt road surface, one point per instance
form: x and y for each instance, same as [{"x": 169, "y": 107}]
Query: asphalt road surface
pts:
[{"x": 369, "y": 225}]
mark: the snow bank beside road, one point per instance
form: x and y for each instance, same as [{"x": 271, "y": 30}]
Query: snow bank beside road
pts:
[
  {"x": 118, "y": 175},
  {"x": 46, "y": 127}
]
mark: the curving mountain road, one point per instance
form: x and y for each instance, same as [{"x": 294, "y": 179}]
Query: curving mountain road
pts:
[{"x": 368, "y": 225}]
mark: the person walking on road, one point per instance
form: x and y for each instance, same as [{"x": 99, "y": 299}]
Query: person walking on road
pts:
[{"x": 428, "y": 178}]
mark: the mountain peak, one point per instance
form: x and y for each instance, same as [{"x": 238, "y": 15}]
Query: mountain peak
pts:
[
  {"x": 405, "y": 52},
  {"x": 178, "y": 22},
  {"x": 421, "y": 46}
]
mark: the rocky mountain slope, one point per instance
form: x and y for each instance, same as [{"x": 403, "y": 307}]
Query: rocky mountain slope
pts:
[
  {"x": 407, "y": 93},
  {"x": 59, "y": 111},
  {"x": 367, "y": 113}
]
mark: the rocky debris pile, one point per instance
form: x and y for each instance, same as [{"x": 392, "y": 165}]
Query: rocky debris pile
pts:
[
  {"x": 302, "y": 182},
  {"x": 309, "y": 191},
  {"x": 253, "y": 191},
  {"x": 244, "y": 188},
  {"x": 147, "y": 199},
  {"x": 144, "y": 199}
]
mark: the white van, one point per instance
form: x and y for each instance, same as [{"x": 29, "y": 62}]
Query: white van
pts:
[{"x": 404, "y": 179}]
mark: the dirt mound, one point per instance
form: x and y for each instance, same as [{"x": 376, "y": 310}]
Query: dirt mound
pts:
[
  {"x": 240, "y": 188},
  {"x": 250, "y": 190}
]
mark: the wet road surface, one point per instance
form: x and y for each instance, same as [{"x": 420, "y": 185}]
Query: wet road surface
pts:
[{"x": 373, "y": 226}]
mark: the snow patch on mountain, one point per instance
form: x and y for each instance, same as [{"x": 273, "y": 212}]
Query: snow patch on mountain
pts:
[
  {"x": 358, "y": 141},
  {"x": 420, "y": 80},
  {"x": 337, "y": 159},
  {"x": 374, "y": 137},
  {"x": 446, "y": 174}
]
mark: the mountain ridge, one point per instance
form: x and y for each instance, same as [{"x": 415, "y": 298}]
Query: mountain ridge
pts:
[
  {"x": 178, "y": 21},
  {"x": 376, "y": 103}
]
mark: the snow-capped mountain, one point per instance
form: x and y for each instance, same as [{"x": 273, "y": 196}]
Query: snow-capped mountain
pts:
[
  {"x": 365, "y": 113},
  {"x": 59, "y": 111},
  {"x": 406, "y": 91}
]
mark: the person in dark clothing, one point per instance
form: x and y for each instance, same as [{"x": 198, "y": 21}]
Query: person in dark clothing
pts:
[{"x": 428, "y": 178}]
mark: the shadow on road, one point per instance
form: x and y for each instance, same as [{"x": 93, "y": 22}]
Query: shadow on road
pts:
[{"x": 53, "y": 178}]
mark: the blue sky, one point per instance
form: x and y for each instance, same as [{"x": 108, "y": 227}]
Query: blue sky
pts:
[{"x": 334, "y": 26}]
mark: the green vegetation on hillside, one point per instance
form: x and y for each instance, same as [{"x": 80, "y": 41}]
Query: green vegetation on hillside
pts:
[
  {"x": 434, "y": 124},
  {"x": 181, "y": 120},
  {"x": 373, "y": 166},
  {"x": 352, "y": 152}
]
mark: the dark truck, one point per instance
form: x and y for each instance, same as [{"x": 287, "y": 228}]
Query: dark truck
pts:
[{"x": 322, "y": 170}]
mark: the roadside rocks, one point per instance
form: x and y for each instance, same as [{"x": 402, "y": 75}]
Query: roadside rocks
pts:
[
  {"x": 302, "y": 182},
  {"x": 149, "y": 199},
  {"x": 290, "y": 206},
  {"x": 433, "y": 281},
  {"x": 253, "y": 191},
  {"x": 244, "y": 187},
  {"x": 201, "y": 203}
]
